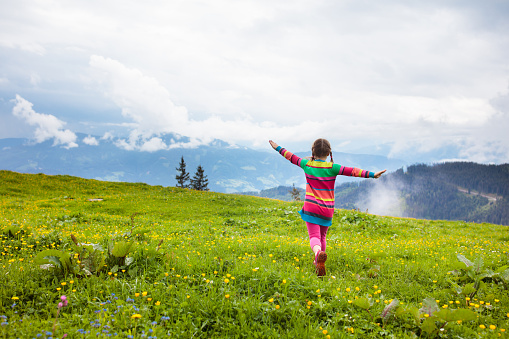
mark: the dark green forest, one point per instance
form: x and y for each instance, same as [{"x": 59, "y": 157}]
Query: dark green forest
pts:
[{"x": 449, "y": 191}]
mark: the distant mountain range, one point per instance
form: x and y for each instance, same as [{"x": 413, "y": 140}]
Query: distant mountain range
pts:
[{"x": 229, "y": 168}]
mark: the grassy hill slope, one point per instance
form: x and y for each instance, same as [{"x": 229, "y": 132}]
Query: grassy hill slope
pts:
[{"x": 154, "y": 261}]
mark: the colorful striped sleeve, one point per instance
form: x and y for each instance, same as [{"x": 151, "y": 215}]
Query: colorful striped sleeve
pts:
[
  {"x": 291, "y": 157},
  {"x": 355, "y": 172}
]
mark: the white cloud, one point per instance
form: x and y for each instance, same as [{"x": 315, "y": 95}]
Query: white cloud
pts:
[
  {"x": 47, "y": 126},
  {"x": 153, "y": 145},
  {"x": 91, "y": 141},
  {"x": 383, "y": 198},
  {"x": 148, "y": 104}
]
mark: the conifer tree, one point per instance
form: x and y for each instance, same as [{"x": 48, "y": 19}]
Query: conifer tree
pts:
[
  {"x": 295, "y": 193},
  {"x": 200, "y": 182},
  {"x": 182, "y": 176}
]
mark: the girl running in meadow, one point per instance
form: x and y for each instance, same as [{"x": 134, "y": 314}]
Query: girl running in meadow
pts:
[{"x": 318, "y": 206}]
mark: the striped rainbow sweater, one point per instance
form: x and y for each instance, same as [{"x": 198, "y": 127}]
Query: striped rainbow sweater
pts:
[{"x": 320, "y": 182}]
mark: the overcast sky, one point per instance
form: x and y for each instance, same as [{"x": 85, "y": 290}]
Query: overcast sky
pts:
[{"x": 415, "y": 75}]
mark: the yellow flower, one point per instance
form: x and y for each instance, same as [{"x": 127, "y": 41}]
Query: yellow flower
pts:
[
  {"x": 482, "y": 326},
  {"x": 136, "y": 316},
  {"x": 63, "y": 283},
  {"x": 324, "y": 331},
  {"x": 284, "y": 281},
  {"x": 492, "y": 327},
  {"x": 15, "y": 298},
  {"x": 226, "y": 280},
  {"x": 144, "y": 294},
  {"x": 58, "y": 288},
  {"x": 277, "y": 307},
  {"x": 158, "y": 303},
  {"x": 227, "y": 296},
  {"x": 348, "y": 289},
  {"x": 310, "y": 302},
  {"x": 271, "y": 300},
  {"x": 71, "y": 282},
  {"x": 149, "y": 299}
]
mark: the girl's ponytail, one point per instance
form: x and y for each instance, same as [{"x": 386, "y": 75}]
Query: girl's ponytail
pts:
[{"x": 331, "y": 160}]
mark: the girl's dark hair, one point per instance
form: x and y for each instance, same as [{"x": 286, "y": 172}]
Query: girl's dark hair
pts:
[{"x": 321, "y": 148}]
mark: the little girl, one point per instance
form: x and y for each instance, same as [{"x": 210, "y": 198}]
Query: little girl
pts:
[{"x": 318, "y": 206}]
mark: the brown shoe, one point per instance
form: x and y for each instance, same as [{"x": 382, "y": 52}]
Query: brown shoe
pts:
[{"x": 320, "y": 259}]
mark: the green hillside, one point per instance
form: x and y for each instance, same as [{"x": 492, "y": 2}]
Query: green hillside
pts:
[{"x": 140, "y": 261}]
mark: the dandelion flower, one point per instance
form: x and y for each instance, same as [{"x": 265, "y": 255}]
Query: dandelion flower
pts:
[
  {"x": 277, "y": 307},
  {"x": 271, "y": 300},
  {"x": 492, "y": 327},
  {"x": 227, "y": 296},
  {"x": 482, "y": 326},
  {"x": 136, "y": 316}
]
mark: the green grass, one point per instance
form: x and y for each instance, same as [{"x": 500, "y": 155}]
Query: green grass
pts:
[{"x": 236, "y": 266}]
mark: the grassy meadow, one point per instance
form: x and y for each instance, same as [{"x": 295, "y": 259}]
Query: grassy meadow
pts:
[{"x": 140, "y": 261}]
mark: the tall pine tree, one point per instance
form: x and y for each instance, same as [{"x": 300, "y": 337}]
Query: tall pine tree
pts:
[
  {"x": 182, "y": 176},
  {"x": 199, "y": 181}
]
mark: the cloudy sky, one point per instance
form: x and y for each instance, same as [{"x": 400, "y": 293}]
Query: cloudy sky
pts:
[{"x": 408, "y": 75}]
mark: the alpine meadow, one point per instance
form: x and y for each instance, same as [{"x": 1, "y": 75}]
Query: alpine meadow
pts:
[{"x": 86, "y": 258}]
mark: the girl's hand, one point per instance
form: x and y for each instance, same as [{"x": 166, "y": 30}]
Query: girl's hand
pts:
[
  {"x": 378, "y": 174},
  {"x": 273, "y": 144}
]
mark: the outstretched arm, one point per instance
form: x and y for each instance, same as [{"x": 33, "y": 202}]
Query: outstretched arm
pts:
[
  {"x": 357, "y": 172},
  {"x": 288, "y": 155}
]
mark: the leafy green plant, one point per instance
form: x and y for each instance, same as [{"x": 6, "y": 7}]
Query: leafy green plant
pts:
[
  {"x": 57, "y": 260},
  {"x": 469, "y": 277},
  {"x": 117, "y": 255},
  {"x": 436, "y": 318},
  {"x": 91, "y": 257}
]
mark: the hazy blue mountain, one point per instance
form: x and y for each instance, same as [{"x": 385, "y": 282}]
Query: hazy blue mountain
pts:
[{"x": 228, "y": 168}]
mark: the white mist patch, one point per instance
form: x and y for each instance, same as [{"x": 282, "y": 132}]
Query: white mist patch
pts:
[{"x": 384, "y": 198}]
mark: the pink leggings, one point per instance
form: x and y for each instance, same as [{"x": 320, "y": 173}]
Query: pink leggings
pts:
[{"x": 317, "y": 235}]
